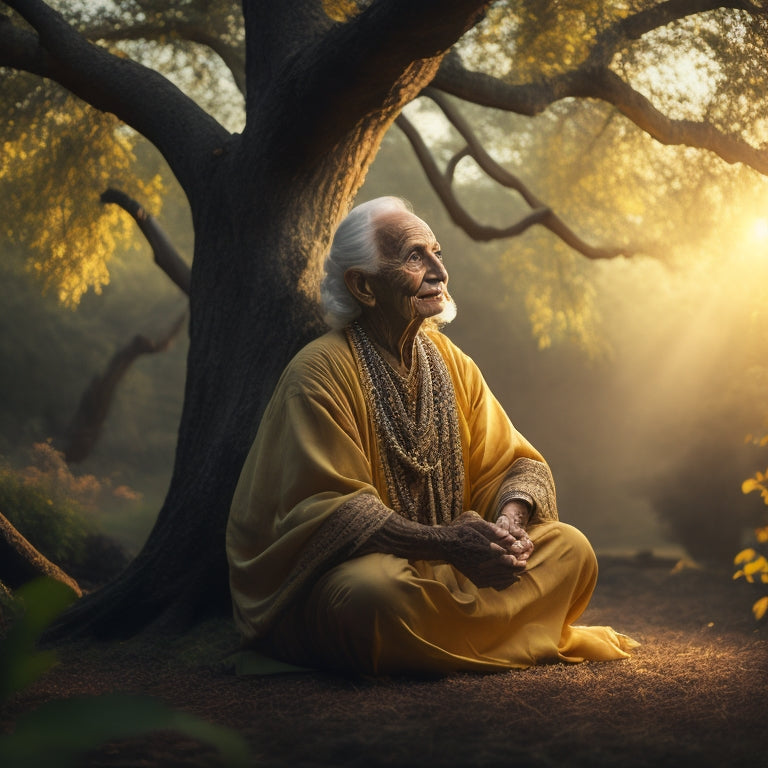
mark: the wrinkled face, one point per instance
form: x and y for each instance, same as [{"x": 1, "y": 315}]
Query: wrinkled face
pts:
[{"x": 412, "y": 280}]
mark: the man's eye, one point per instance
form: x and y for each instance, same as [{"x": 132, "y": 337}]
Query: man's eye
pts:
[
  {"x": 414, "y": 257},
  {"x": 439, "y": 255}
]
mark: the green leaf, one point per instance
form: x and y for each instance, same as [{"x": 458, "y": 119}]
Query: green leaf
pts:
[
  {"x": 59, "y": 732},
  {"x": 39, "y": 602}
]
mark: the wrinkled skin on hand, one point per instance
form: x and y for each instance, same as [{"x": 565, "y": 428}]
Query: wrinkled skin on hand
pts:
[
  {"x": 483, "y": 551},
  {"x": 513, "y": 518}
]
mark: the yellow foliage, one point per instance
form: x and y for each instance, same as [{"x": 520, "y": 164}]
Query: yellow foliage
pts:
[
  {"x": 754, "y": 564},
  {"x": 549, "y": 38},
  {"x": 757, "y": 483},
  {"x": 744, "y": 556},
  {"x": 559, "y": 298},
  {"x": 52, "y": 172},
  {"x": 760, "y": 607},
  {"x": 340, "y": 10}
]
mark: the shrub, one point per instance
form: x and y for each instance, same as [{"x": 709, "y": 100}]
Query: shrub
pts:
[
  {"x": 753, "y": 561},
  {"x": 57, "y": 512},
  {"x": 56, "y": 526}
]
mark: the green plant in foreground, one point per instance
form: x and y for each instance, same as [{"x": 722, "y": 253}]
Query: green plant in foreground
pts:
[{"x": 59, "y": 732}]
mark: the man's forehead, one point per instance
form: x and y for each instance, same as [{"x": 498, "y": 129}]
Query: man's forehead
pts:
[{"x": 397, "y": 228}]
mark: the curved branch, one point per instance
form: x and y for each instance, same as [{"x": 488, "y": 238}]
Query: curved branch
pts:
[
  {"x": 136, "y": 94},
  {"x": 20, "y": 562},
  {"x": 594, "y": 79},
  {"x": 540, "y": 213},
  {"x": 232, "y": 56},
  {"x": 604, "y": 84},
  {"x": 608, "y": 86},
  {"x": 165, "y": 253},
  {"x": 458, "y": 214},
  {"x": 96, "y": 401},
  {"x": 634, "y": 26},
  {"x": 477, "y": 151}
]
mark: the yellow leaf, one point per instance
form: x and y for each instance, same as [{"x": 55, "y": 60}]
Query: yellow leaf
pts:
[
  {"x": 756, "y": 566},
  {"x": 745, "y": 556},
  {"x": 749, "y": 485},
  {"x": 760, "y": 607}
]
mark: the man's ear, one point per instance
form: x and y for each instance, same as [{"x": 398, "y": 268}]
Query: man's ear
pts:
[{"x": 358, "y": 285}]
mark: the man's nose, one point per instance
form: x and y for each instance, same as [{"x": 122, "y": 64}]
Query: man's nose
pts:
[{"x": 436, "y": 270}]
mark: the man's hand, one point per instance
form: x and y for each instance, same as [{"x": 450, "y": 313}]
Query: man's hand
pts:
[
  {"x": 483, "y": 551},
  {"x": 513, "y": 518}
]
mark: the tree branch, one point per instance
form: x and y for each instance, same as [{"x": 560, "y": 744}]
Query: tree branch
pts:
[
  {"x": 594, "y": 79},
  {"x": 477, "y": 151},
  {"x": 87, "y": 423},
  {"x": 371, "y": 65},
  {"x": 455, "y": 210},
  {"x": 232, "y": 56},
  {"x": 634, "y": 26},
  {"x": 95, "y": 403},
  {"x": 20, "y": 562},
  {"x": 443, "y": 186},
  {"x": 136, "y": 94},
  {"x": 607, "y": 85},
  {"x": 165, "y": 253}
]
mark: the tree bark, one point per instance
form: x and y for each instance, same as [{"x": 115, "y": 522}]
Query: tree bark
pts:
[
  {"x": 20, "y": 562},
  {"x": 88, "y": 421},
  {"x": 264, "y": 213}
]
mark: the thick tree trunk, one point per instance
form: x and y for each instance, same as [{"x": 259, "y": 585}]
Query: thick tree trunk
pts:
[
  {"x": 251, "y": 309},
  {"x": 264, "y": 207}
]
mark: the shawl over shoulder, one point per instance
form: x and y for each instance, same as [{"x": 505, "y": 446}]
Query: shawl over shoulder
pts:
[{"x": 316, "y": 453}]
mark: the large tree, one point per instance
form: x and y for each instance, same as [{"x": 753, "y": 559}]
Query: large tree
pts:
[{"x": 323, "y": 82}]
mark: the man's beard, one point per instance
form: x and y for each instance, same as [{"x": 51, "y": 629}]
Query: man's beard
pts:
[{"x": 448, "y": 314}]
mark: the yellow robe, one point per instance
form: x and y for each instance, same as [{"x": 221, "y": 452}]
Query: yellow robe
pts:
[{"x": 299, "y": 591}]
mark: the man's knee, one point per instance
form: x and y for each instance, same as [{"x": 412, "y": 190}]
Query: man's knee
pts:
[
  {"x": 359, "y": 590},
  {"x": 564, "y": 541}
]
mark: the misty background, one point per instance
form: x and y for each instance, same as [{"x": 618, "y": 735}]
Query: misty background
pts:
[{"x": 640, "y": 380}]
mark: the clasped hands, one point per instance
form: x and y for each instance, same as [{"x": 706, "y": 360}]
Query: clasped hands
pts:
[{"x": 491, "y": 554}]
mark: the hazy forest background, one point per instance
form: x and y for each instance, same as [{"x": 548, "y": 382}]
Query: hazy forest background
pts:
[{"x": 640, "y": 379}]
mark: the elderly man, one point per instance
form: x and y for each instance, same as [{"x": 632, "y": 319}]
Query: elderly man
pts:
[{"x": 389, "y": 518}]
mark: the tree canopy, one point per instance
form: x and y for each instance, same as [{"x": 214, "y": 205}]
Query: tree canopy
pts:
[{"x": 684, "y": 73}]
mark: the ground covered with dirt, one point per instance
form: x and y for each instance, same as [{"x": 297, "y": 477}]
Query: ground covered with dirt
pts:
[{"x": 694, "y": 693}]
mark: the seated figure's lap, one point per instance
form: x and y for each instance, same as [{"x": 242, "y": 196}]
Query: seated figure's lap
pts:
[
  {"x": 380, "y": 599},
  {"x": 387, "y": 581}
]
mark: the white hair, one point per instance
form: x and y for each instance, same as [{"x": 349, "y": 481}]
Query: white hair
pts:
[{"x": 354, "y": 247}]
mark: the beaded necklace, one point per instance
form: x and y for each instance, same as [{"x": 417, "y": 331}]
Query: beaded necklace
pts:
[{"x": 417, "y": 429}]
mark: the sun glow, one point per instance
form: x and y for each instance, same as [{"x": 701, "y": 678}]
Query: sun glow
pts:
[{"x": 760, "y": 230}]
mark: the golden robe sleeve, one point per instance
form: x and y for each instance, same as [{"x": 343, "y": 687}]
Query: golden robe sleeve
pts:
[{"x": 311, "y": 457}]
